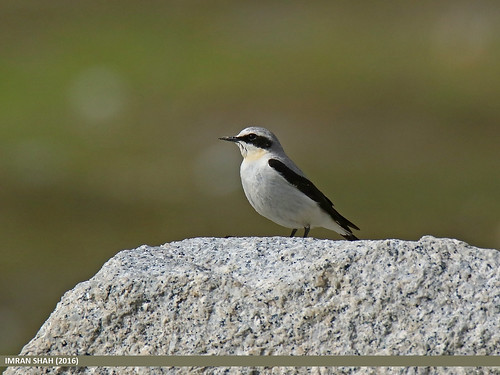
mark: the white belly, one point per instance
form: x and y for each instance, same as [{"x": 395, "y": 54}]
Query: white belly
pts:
[{"x": 274, "y": 198}]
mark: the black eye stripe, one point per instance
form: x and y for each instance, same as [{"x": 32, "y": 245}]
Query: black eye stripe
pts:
[{"x": 257, "y": 140}]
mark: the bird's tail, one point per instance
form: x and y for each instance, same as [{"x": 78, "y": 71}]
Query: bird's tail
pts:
[{"x": 350, "y": 237}]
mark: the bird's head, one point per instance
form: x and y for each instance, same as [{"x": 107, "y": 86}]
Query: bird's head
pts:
[{"x": 255, "y": 142}]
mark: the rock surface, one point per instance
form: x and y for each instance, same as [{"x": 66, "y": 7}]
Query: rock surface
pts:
[{"x": 281, "y": 296}]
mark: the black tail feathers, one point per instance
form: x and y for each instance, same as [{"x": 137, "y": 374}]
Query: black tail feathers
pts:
[{"x": 350, "y": 237}]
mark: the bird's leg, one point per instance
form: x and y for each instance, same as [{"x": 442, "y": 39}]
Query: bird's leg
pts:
[
  {"x": 293, "y": 232},
  {"x": 306, "y": 231}
]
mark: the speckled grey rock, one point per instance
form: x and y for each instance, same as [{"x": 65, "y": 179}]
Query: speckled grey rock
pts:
[{"x": 282, "y": 296}]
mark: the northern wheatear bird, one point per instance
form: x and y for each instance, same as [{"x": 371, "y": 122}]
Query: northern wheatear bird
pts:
[{"x": 278, "y": 190}]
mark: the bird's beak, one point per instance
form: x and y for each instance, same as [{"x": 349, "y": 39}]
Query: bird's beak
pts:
[{"x": 230, "y": 139}]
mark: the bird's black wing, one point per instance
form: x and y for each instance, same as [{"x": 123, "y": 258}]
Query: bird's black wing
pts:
[{"x": 308, "y": 188}]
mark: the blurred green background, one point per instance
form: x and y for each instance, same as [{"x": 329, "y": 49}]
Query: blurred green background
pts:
[{"x": 110, "y": 114}]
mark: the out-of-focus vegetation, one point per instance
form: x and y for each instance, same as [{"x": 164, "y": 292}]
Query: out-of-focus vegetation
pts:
[{"x": 110, "y": 114}]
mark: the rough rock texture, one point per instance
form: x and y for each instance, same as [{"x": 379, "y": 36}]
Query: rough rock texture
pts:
[{"x": 271, "y": 296}]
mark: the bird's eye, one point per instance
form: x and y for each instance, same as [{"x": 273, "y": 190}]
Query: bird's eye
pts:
[{"x": 252, "y": 137}]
